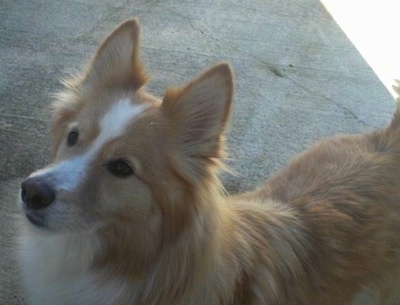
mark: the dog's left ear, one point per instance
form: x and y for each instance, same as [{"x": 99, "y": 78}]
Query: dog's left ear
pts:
[
  {"x": 117, "y": 61},
  {"x": 199, "y": 114}
]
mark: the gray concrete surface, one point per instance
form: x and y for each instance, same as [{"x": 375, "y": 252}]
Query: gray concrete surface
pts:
[{"x": 299, "y": 79}]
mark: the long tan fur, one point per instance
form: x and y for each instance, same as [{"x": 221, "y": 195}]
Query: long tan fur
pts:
[{"x": 323, "y": 230}]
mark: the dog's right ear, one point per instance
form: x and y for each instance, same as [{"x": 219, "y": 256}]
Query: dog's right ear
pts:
[
  {"x": 199, "y": 114},
  {"x": 117, "y": 61}
]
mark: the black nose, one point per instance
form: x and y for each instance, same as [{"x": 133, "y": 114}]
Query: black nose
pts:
[{"x": 36, "y": 193}]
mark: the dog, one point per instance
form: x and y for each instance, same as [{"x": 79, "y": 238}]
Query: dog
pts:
[{"x": 131, "y": 210}]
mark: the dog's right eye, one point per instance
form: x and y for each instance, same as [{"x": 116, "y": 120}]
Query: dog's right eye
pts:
[
  {"x": 119, "y": 168},
  {"x": 72, "y": 138}
]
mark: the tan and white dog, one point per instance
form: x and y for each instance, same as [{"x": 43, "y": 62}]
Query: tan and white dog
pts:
[{"x": 131, "y": 210}]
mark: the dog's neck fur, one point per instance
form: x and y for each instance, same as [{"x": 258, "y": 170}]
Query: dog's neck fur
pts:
[
  {"x": 215, "y": 244},
  {"x": 171, "y": 267}
]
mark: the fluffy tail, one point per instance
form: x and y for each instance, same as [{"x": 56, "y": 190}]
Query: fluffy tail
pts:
[
  {"x": 396, "y": 87},
  {"x": 388, "y": 139},
  {"x": 396, "y": 117}
]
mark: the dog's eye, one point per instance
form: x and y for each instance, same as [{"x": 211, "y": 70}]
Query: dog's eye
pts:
[
  {"x": 119, "y": 168},
  {"x": 72, "y": 138}
]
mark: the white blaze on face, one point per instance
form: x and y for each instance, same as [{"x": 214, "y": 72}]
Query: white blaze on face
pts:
[{"x": 68, "y": 174}]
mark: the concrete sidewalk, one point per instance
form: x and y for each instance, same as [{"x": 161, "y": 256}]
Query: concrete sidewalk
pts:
[{"x": 299, "y": 79}]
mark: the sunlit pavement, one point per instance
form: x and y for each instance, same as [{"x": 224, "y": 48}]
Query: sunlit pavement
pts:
[{"x": 374, "y": 28}]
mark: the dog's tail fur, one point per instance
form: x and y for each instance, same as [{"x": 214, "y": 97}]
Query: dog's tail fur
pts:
[
  {"x": 388, "y": 139},
  {"x": 396, "y": 118}
]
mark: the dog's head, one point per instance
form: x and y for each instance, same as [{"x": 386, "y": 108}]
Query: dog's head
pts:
[{"x": 122, "y": 155}]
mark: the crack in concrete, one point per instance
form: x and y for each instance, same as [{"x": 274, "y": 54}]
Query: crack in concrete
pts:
[
  {"x": 280, "y": 74},
  {"x": 344, "y": 108},
  {"x": 271, "y": 67}
]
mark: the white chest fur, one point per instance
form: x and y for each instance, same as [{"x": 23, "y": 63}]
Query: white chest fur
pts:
[{"x": 55, "y": 270}]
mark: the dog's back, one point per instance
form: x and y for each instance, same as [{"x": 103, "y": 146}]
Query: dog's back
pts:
[{"x": 345, "y": 191}]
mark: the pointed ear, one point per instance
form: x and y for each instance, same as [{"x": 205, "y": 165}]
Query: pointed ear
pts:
[
  {"x": 200, "y": 112},
  {"x": 117, "y": 61}
]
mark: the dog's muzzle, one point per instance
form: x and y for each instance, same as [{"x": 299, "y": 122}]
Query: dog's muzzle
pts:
[{"x": 36, "y": 193}]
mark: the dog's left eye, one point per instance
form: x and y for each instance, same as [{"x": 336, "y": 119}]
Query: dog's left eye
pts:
[
  {"x": 72, "y": 138},
  {"x": 119, "y": 168}
]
